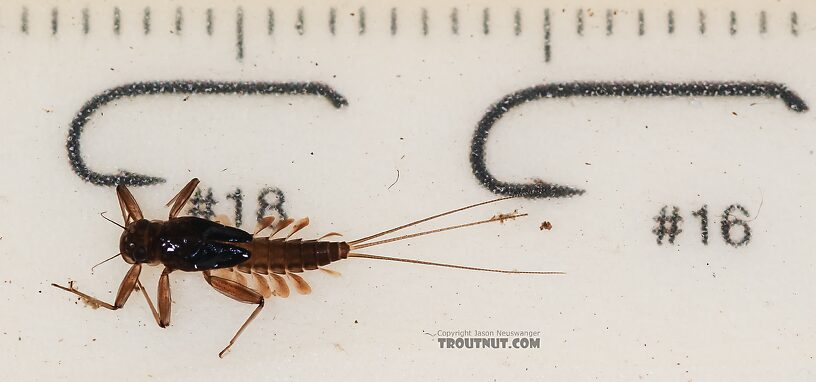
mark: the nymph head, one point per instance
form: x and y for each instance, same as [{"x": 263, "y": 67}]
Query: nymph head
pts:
[{"x": 135, "y": 242}]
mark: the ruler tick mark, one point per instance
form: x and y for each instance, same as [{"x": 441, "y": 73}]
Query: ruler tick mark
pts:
[
  {"x": 763, "y": 22},
  {"x": 641, "y": 23},
  {"x": 517, "y": 22},
  {"x": 609, "y": 22},
  {"x": 332, "y": 20},
  {"x": 670, "y": 21},
  {"x": 702, "y": 20},
  {"x": 24, "y": 20},
  {"x": 794, "y": 23},
  {"x": 393, "y": 21},
  {"x": 179, "y": 20},
  {"x": 547, "y": 48},
  {"x": 86, "y": 21},
  {"x": 486, "y": 21},
  {"x": 299, "y": 27},
  {"x": 117, "y": 21},
  {"x": 54, "y": 20},
  {"x": 454, "y": 17},
  {"x": 239, "y": 34},
  {"x": 732, "y": 23},
  {"x": 362, "y": 21},
  {"x": 424, "y": 21},
  {"x": 146, "y": 20},
  {"x": 209, "y": 21},
  {"x": 579, "y": 21}
]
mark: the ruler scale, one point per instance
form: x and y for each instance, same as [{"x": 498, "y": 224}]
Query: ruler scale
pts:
[{"x": 299, "y": 23}]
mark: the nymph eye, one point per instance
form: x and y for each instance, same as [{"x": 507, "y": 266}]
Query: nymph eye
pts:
[{"x": 140, "y": 254}]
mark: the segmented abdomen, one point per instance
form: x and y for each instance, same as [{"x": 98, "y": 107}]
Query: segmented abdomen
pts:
[{"x": 280, "y": 256}]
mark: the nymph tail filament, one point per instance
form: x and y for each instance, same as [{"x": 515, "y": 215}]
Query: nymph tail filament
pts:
[{"x": 365, "y": 242}]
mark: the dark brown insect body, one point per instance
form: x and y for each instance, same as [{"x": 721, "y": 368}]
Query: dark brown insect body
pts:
[
  {"x": 274, "y": 258},
  {"x": 236, "y": 263},
  {"x": 282, "y": 256}
]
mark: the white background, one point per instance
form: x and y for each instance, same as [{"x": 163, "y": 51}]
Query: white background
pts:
[{"x": 627, "y": 309}]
